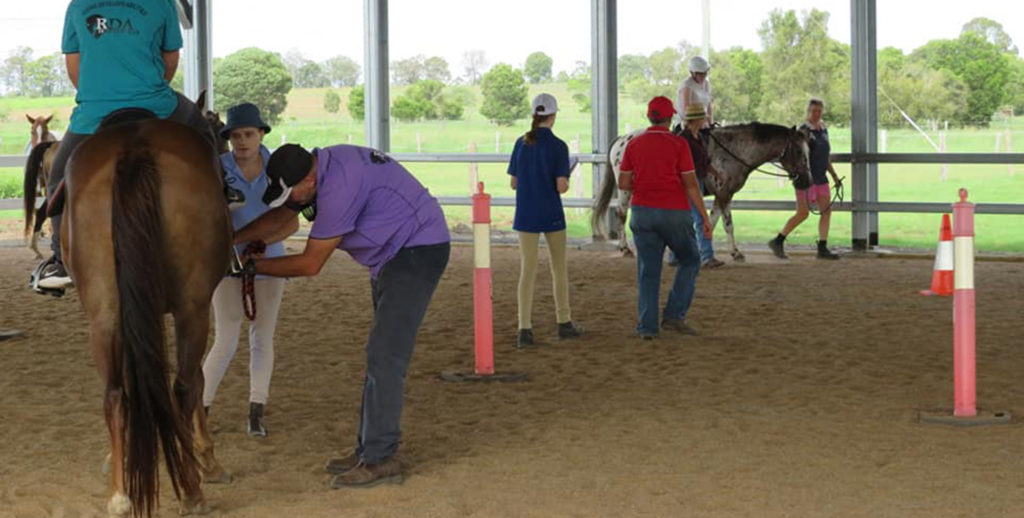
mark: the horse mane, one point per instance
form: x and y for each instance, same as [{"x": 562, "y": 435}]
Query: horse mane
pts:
[{"x": 760, "y": 131}]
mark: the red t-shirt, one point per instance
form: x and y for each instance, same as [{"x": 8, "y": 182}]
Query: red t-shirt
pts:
[{"x": 658, "y": 159}]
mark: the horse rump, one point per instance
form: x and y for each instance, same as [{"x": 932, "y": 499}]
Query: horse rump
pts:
[
  {"x": 151, "y": 422},
  {"x": 30, "y": 183}
]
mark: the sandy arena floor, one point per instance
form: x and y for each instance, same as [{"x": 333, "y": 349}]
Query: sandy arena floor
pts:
[{"x": 798, "y": 400}]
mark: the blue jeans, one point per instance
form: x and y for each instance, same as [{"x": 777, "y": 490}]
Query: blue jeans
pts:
[{"x": 653, "y": 230}]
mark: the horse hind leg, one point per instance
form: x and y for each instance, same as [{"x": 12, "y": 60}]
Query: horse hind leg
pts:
[
  {"x": 102, "y": 341},
  {"x": 191, "y": 330}
]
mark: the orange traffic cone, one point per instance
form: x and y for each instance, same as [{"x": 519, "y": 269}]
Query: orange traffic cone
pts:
[{"x": 942, "y": 272}]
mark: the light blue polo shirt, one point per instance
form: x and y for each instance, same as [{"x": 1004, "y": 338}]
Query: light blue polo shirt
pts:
[
  {"x": 121, "y": 44},
  {"x": 253, "y": 191}
]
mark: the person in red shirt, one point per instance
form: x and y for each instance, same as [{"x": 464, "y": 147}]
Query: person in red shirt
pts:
[{"x": 658, "y": 167}]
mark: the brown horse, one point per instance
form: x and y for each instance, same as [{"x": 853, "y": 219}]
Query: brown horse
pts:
[
  {"x": 148, "y": 233},
  {"x": 37, "y": 175},
  {"x": 40, "y": 130}
]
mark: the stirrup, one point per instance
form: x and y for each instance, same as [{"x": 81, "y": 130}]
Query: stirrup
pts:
[{"x": 37, "y": 275}]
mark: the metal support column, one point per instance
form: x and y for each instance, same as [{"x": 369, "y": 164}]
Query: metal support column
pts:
[
  {"x": 604, "y": 85},
  {"x": 864, "y": 119},
  {"x": 198, "y": 63},
  {"x": 378, "y": 103}
]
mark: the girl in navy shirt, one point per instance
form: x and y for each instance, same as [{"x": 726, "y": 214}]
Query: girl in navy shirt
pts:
[{"x": 540, "y": 174}]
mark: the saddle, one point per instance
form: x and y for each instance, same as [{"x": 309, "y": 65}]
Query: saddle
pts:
[{"x": 55, "y": 205}]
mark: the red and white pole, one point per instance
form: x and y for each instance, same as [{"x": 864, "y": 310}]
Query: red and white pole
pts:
[
  {"x": 483, "y": 318},
  {"x": 964, "y": 397}
]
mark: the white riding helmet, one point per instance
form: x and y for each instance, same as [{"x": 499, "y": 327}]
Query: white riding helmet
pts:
[{"x": 699, "y": 64}]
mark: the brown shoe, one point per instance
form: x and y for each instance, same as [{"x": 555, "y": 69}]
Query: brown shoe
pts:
[
  {"x": 369, "y": 475},
  {"x": 678, "y": 325},
  {"x": 341, "y": 465}
]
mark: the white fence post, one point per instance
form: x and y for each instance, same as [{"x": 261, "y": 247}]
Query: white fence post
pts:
[
  {"x": 1009, "y": 149},
  {"x": 497, "y": 142},
  {"x": 884, "y": 144},
  {"x": 942, "y": 149},
  {"x": 473, "y": 173},
  {"x": 419, "y": 142}
]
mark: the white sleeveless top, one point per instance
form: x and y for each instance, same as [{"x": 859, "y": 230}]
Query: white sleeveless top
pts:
[{"x": 699, "y": 93}]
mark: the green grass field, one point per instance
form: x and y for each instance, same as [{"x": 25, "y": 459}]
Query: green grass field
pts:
[{"x": 305, "y": 121}]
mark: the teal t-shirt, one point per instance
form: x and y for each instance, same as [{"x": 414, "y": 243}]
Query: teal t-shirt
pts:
[{"x": 121, "y": 45}]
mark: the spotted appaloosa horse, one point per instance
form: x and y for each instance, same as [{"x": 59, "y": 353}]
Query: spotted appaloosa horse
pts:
[
  {"x": 148, "y": 233},
  {"x": 735, "y": 152}
]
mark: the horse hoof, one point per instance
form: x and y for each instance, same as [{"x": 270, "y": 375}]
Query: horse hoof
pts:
[
  {"x": 627, "y": 252},
  {"x": 739, "y": 258},
  {"x": 119, "y": 506},
  {"x": 197, "y": 508},
  {"x": 218, "y": 476}
]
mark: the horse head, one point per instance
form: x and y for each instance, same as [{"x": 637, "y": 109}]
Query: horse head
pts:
[
  {"x": 39, "y": 130},
  {"x": 795, "y": 157},
  {"x": 216, "y": 124}
]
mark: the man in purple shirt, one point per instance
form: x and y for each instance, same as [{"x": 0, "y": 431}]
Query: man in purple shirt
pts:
[{"x": 363, "y": 202}]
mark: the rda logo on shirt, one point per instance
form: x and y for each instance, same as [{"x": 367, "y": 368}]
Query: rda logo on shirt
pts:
[
  {"x": 99, "y": 25},
  {"x": 378, "y": 157}
]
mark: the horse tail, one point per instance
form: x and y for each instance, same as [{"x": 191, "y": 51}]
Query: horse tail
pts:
[
  {"x": 31, "y": 182},
  {"x": 598, "y": 221},
  {"x": 148, "y": 411}
]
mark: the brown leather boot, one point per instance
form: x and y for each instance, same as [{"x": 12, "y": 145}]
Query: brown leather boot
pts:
[
  {"x": 369, "y": 475},
  {"x": 341, "y": 465}
]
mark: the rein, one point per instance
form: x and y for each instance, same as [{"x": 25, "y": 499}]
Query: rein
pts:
[
  {"x": 744, "y": 162},
  {"x": 249, "y": 280}
]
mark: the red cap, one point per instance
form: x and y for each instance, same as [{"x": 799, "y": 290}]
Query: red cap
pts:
[{"x": 660, "y": 108}]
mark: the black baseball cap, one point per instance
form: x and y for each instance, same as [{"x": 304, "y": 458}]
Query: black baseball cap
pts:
[{"x": 287, "y": 166}]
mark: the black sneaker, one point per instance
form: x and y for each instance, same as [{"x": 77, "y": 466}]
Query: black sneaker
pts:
[
  {"x": 567, "y": 330},
  {"x": 254, "y": 425},
  {"x": 54, "y": 276},
  {"x": 778, "y": 247},
  {"x": 525, "y": 339},
  {"x": 234, "y": 197}
]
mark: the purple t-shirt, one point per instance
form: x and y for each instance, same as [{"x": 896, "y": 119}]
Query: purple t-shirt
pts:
[{"x": 374, "y": 204}]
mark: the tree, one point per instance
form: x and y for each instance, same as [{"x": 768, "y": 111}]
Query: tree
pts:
[
  {"x": 801, "y": 61},
  {"x": 436, "y": 68},
  {"x": 504, "y": 90},
  {"x": 538, "y": 67},
  {"x": 979, "y": 64},
  {"x": 256, "y": 76},
  {"x": 341, "y": 71},
  {"x": 332, "y": 101},
  {"x": 407, "y": 71},
  {"x": 633, "y": 66},
  {"x": 43, "y": 76},
  {"x": 738, "y": 84},
  {"x": 474, "y": 62},
  {"x": 357, "y": 103},
  {"x": 580, "y": 86},
  {"x": 993, "y": 32},
  {"x": 310, "y": 75},
  {"x": 920, "y": 92},
  {"x": 1015, "y": 86},
  {"x": 14, "y": 71},
  {"x": 406, "y": 108}
]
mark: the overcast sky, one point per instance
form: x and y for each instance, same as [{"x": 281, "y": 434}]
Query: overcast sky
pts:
[{"x": 507, "y": 31}]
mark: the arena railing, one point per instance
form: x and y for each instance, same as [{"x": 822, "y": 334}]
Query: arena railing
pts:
[{"x": 779, "y": 205}]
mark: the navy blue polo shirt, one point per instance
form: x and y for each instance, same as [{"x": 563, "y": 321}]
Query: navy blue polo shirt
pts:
[
  {"x": 537, "y": 168},
  {"x": 820, "y": 150}
]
